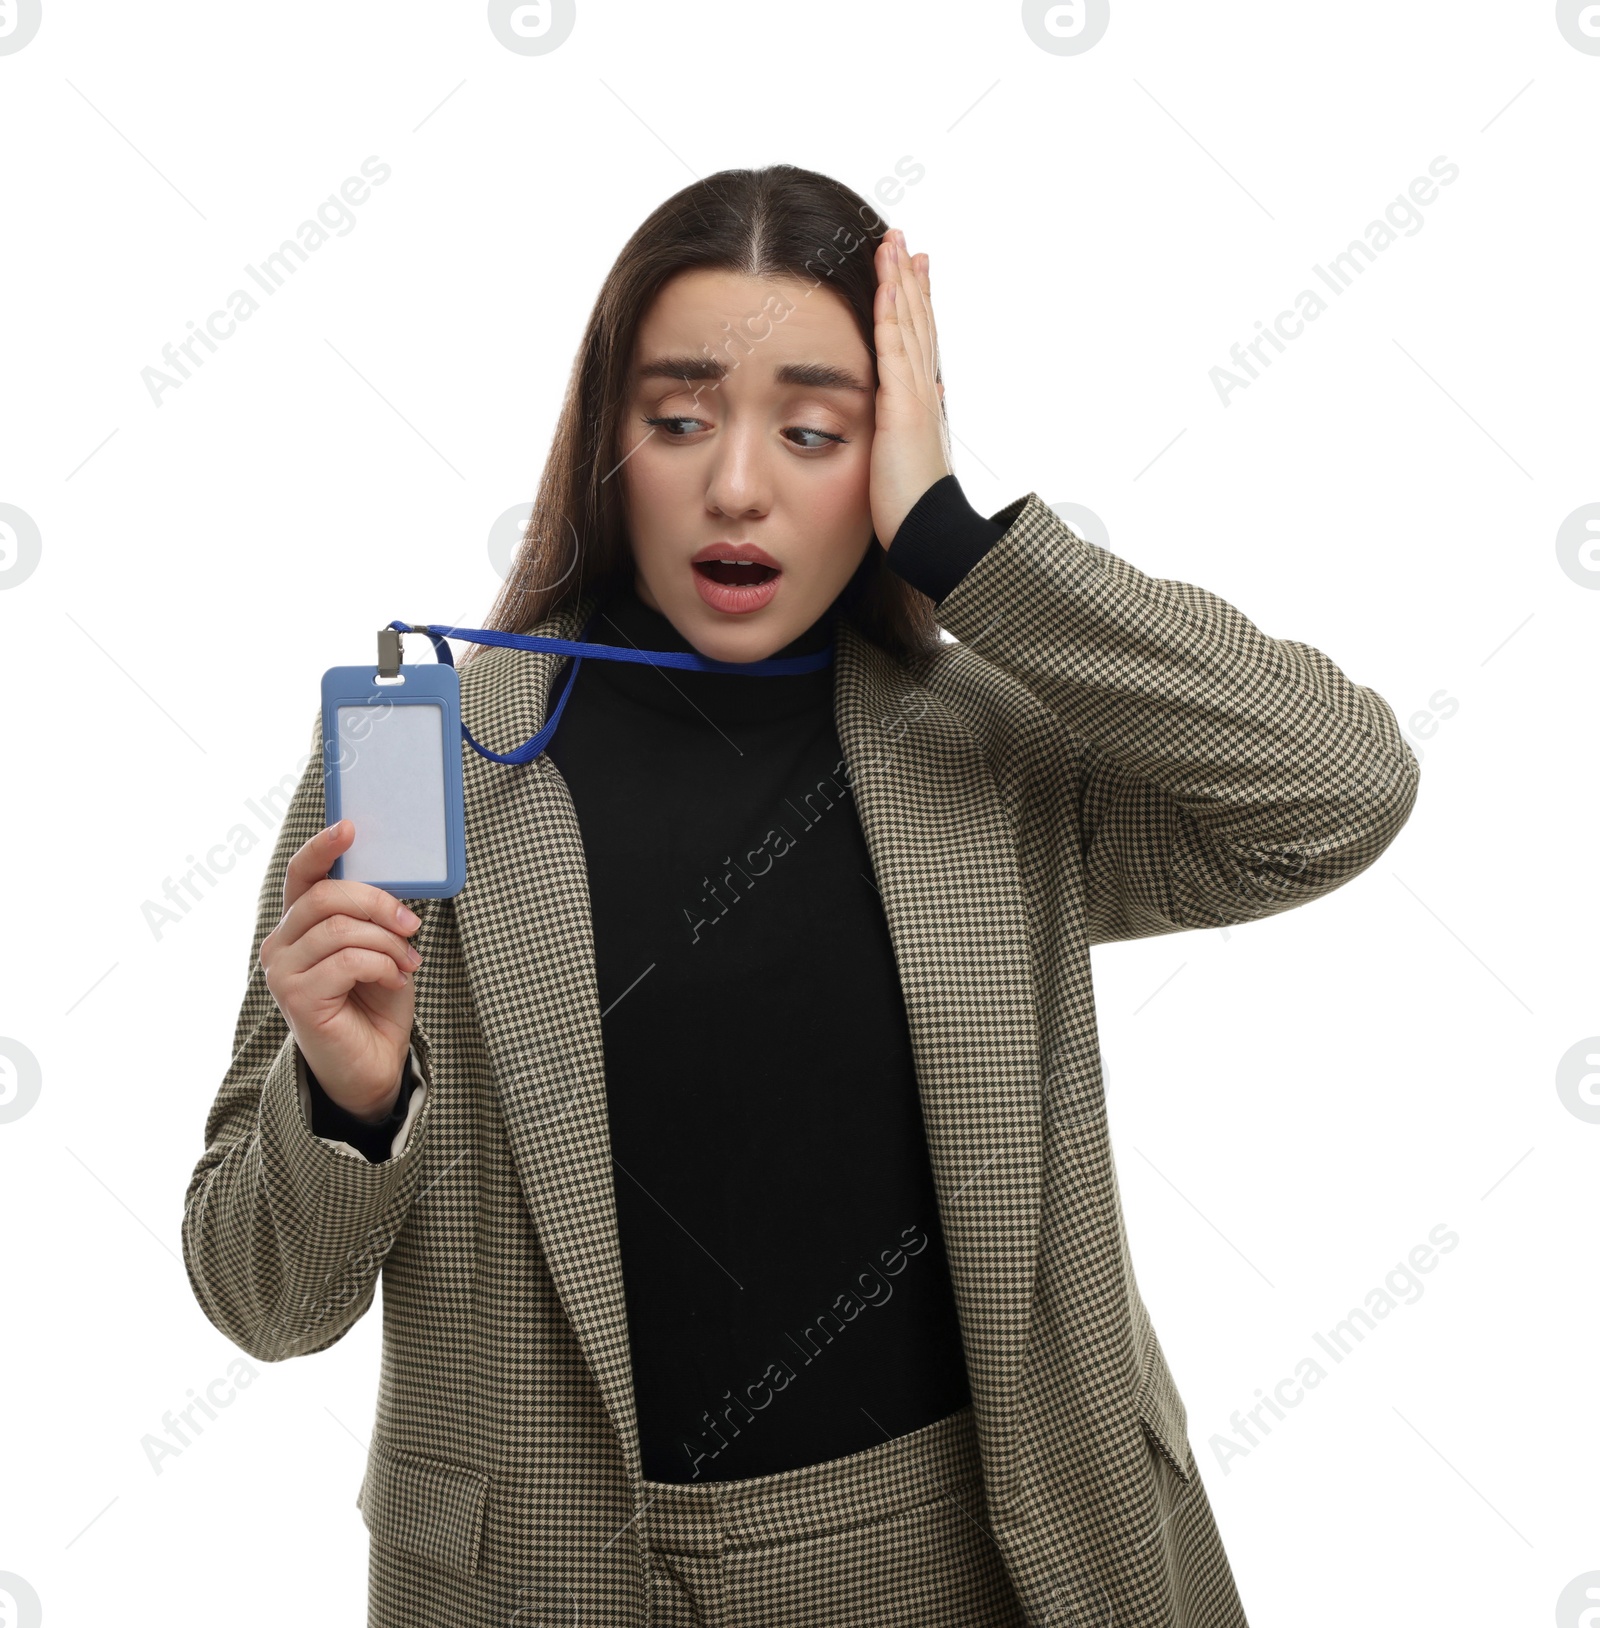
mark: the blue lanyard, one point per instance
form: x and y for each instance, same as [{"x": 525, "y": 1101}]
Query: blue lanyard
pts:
[{"x": 772, "y": 667}]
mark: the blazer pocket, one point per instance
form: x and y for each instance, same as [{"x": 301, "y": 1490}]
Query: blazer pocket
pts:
[
  {"x": 1160, "y": 1408},
  {"x": 424, "y": 1506}
]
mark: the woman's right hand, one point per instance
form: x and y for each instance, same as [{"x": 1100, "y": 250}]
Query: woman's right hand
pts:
[{"x": 338, "y": 964}]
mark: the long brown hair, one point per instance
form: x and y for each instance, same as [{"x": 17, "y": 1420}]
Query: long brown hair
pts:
[{"x": 775, "y": 222}]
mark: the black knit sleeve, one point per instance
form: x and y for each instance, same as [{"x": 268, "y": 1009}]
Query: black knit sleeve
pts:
[
  {"x": 941, "y": 539},
  {"x": 374, "y": 1141}
]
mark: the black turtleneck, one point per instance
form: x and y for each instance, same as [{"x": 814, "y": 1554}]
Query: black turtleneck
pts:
[{"x": 787, "y": 1291}]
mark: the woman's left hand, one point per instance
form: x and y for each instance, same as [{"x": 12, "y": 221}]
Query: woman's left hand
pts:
[{"x": 910, "y": 445}]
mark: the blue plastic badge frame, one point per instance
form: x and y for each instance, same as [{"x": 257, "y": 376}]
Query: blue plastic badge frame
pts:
[{"x": 388, "y": 777}]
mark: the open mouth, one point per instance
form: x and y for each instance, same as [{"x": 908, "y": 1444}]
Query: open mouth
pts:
[{"x": 733, "y": 574}]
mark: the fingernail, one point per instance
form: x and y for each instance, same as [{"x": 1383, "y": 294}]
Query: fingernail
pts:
[
  {"x": 409, "y": 921},
  {"x": 415, "y": 958}
]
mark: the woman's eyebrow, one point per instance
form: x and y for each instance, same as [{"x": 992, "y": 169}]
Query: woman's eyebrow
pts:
[{"x": 809, "y": 375}]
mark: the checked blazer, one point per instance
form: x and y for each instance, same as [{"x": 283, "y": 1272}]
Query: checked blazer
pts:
[{"x": 1103, "y": 755}]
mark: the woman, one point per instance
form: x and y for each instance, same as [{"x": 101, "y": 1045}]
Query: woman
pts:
[{"x": 736, "y": 1159}]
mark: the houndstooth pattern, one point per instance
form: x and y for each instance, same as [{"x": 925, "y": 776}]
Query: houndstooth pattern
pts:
[
  {"x": 1104, "y": 755},
  {"x": 892, "y": 1535}
]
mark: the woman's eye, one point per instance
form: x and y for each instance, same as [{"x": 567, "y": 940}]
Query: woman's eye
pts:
[{"x": 669, "y": 425}]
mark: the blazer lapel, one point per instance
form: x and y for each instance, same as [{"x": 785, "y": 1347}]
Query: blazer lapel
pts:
[
  {"x": 526, "y": 933},
  {"x": 944, "y": 857},
  {"x": 945, "y": 860}
]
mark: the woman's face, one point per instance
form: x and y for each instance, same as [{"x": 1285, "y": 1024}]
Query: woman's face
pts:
[{"x": 749, "y": 421}]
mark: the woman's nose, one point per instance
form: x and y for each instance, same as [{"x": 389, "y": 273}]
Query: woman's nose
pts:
[{"x": 739, "y": 481}]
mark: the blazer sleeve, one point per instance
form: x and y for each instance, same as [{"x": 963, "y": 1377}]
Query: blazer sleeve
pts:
[
  {"x": 1224, "y": 775},
  {"x": 285, "y": 1232}
]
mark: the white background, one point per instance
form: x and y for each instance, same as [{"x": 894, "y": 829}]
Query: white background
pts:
[{"x": 1296, "y": 1103}]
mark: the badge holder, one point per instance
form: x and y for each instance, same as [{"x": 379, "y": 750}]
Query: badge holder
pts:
[
  {"x": 392, "y": 738},
  {"x": 391, "y": 764}
]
